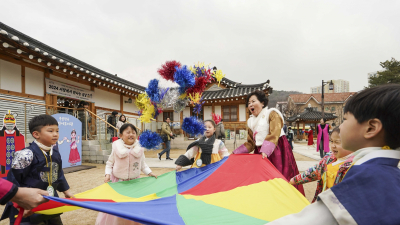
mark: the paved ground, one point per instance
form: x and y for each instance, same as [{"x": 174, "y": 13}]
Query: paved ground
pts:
[{"x": 309, "y": 158}]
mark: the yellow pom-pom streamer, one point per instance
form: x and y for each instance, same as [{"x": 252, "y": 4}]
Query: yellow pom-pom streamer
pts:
[
  {"x": 219, "y": 75},
  {"x": 148, "y": 114},
  {"x": 183, "y": 96},
  {"x": 195, "y": 98},
  {"x": 142, "y": 101}
]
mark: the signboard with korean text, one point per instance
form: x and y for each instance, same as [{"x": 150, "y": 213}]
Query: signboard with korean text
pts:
[
  {"x": 70, "y": 139},
  {"x": 69, "y": 91}
]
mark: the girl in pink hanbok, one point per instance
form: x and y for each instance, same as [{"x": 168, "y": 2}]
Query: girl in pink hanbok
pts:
[{"x": 126, "y": 162}]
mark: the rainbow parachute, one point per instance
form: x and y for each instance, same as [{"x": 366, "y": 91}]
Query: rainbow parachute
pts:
[{"x": 239, "y": 189}]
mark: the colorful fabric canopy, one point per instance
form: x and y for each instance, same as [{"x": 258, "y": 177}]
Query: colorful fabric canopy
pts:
[{"x": 240, "y": 189}]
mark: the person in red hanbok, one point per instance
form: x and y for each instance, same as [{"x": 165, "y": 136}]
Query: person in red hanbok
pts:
[
  {"x": 11, "y": 140},
  {"x": 266, "y": 136},
  {"x": 310, "y": 137}
]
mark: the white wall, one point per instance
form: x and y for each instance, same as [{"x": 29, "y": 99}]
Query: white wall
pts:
[
  {"x": 177, "y": 116},
  {"x": 34, "y": 82},
  {"x": 186, "y": 112},
  {"x": 207, "y": 112},
  {"x": 106, "y": 99},
  {"x": 242, "y": 112},
  {"x": 217, "y": 110},
  {"x": 70, "y": 82},
  {"x": 10, "y": 76},
  {"x": 130, "y": 107}
]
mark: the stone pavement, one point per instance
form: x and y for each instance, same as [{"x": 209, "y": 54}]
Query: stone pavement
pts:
[{"x": 298, "y": 148}]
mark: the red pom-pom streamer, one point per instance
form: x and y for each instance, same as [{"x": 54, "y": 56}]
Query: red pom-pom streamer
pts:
[
  {"x": 200, "y": 84},
  {"x": 168, "y": 69},
  {"x": 216, "y": 118}
]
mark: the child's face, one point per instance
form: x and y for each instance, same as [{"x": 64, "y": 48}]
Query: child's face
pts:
[
  {"x": 128, "y": 136},
  {"x": 351, "y": 133},
  {"x": 73, "y": 135},
  {"x": 210, "y": 129},
  {"x": 48, "y": 135},
  {"x": 336, "y": 146}
]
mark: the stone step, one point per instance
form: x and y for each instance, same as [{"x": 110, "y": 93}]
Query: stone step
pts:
[{"x": 91, "y": 142}]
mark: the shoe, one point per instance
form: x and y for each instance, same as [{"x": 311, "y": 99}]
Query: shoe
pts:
[
  {"x": 168, "y": 159},
  {"x": 159, "y": 156}
]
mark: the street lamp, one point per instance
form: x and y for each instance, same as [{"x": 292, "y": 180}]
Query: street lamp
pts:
[{"x": 322, "y": 96}]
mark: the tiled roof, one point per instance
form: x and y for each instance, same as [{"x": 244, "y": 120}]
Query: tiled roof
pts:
[
  {"x": 238, "y": 91},
  {"x": 311, "y": 115},
  {"x": 328, "y": 97},
  {"x": 63, "y": 58}
]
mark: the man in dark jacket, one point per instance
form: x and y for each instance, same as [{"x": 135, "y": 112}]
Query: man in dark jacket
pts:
[
  {"x": 290, "y": 136},
  {"x": 112, "y": 119}
]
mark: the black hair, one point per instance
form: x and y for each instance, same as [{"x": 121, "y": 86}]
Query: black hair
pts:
[
  {"x": 167, "y": 118},
  {"x": 261, "y": 96},
  {"x": 125, "y": 126},
  {"x": 121, "y": 117},
  {"x": 211, "y": 121},
  {"x": 290, "y": 128},
  {"x": 66, "y": 104},
  {"x": 85, "y": 103},
  {"x": 114, "y": 113},
  {"x": 381, "y": 102},
  {"x": 38, "y": 122},
  {"x": 336, "y": 129},
  {"x": 324, "y": 119},
  {"x": 73, "y": 131}
]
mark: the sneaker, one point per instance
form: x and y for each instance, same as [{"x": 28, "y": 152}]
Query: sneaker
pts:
[
  {"x": 159, "y": 156},
  {"x": 168, "y": 159}
]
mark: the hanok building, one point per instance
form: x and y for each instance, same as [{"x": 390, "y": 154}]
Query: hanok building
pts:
[
  {"x": 29, "y": 69},
  {"x": 304, "y": 110}
]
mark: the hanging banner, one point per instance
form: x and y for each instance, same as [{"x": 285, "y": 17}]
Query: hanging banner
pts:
[
  {"x": 69, "y": 91},
  {"x": 11, "y": 140},
  {"x": 70, "y": 139}
]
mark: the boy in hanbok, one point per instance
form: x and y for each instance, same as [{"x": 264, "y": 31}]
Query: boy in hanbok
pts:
[
  {"x": 39, "y": 166},
  {"x": 204, "y": 151},
  {"x": 330, "y": 170},
  {"x": 370, "y": 191}
]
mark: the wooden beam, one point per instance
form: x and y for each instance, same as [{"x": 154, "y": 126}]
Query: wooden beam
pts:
[
  {"x": 23, "y": 79},
  {"x": 121, "y": 103},
  {"x": 7, "y": 92}
]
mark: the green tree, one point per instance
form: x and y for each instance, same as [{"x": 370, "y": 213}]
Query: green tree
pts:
[{"x": 390, "y": 74}]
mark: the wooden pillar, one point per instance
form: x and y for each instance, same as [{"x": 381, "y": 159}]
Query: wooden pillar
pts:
[
  {"x": 47, "y": 97},
  {"x": 23, "y": 79},
  {"x": 298, "y": 130},
  {"x": 304, "y": 127},
  {"x": 121, "y": 103},
  {"x": 181, "y": 121}
]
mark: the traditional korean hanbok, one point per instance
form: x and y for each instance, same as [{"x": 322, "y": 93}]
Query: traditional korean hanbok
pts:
[
  {"x": 203, "y": 152},
  {"x": 369, "y": 194},
  {"x": 125, "y": 163},
  {"x": 265, "y": 135},
  {"x": 74, "y": 156}
]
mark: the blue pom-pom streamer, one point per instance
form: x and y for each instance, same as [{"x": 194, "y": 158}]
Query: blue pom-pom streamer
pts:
[
  {"x": 150, "y": 140},
  {"x": 153, "y": 91},
  {"x": 193, "y": 126},
  {"x": 184, "y": 77}
]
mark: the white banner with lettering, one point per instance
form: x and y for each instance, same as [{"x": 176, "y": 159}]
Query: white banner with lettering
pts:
[{"x": 69, "y": 91}]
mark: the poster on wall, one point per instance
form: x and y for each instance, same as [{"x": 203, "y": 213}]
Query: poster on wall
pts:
[
  {"x": 232, "y": 135},
  {"x": 69, "y": 91},
  {"x": 11, "y": 140},
  {"x": 227, "y": 134},
  {"x": 69, "y": 142},
  {"x": 242, "y": 134}
]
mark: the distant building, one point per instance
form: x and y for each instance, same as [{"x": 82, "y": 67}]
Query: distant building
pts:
[
  {"x": 340, "y": 86},
  {"x": 333, "y": 103}
]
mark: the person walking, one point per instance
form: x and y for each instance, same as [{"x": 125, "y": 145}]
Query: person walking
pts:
[
  {"x": 220, "y": 131},
  {"x": 290, "y": 136},
  {"x": 323, "y": 138},
  {"x": 167, "y": 133}
]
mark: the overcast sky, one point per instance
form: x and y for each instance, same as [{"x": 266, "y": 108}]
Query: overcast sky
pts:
[{"x": 295, "y": 44}]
